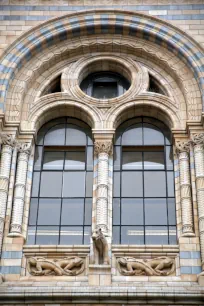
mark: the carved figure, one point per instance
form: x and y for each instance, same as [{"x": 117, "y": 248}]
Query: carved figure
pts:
[
  {"x": 160, "y": 266},
  {"x": 39, "y": 266},
  {"x": 101, "y": 245},
  {"x": 1, "y": 279}
]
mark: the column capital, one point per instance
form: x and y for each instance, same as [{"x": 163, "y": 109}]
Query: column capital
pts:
[
  {"x": 198, "y": 139},
  {"x": 103, "y": 147},
  {"x": 7, "y": 139},
  {"x": 24, "y": 147},
  {"x": 183, "y": 146}
]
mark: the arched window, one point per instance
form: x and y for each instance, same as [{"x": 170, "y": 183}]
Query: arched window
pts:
[
  {"x": 61, "y": 200},
  {"x": 143, "y": 203}
]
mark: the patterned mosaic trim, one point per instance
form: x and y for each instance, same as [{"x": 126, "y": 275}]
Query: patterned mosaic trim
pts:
[{"x": 100, "y": 22}]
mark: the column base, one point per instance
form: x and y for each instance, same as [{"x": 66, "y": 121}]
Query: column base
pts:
[
  {"x": 188, "y": 235},
  {"x": 99, "y": 275},
  {"x": 15, "y": 235}
]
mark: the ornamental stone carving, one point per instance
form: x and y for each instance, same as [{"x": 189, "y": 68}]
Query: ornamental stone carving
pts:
[
  {"x": 101, "y": 245},
  {"x": 198, "y": 138},
  {"x": 182, "y": 146},
  {"x": 70, "y": 266},
  {"x": 7, "y": 139},
  {"x": 103, "y": 147},
  {"x": 159, "y": 266},
  {"x": 24, "y": 148}
]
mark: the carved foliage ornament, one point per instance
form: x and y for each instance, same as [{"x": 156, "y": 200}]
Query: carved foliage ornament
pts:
[
  {"x": 70, "y": 266},
  {"x": 198, "y": 138},
  {"x": 159, "y": 266},
  {"x": 7, "y": 139},
  {"x": 24, "y": 147},
  {"x": 183, "y": 146},
  {"x": 103, "y": 147}
]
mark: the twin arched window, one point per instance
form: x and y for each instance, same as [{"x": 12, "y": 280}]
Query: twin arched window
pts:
[{"x": 143, "y": 199}]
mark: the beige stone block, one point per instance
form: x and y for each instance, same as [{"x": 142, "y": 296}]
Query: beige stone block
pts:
[
  {"x": 94, "y": 280},
  {"x": 201, "y": 280},
  {"x": 105, "y": 280}
]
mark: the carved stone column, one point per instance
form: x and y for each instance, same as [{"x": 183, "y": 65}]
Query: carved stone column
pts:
[
  {"x": 198, "y": 142},
  {"x": 102, "y": 149},
  {"x": 8, "y": 143},
  {"x": 183, "y": 149},
  {"x": 20, "y": 188}
]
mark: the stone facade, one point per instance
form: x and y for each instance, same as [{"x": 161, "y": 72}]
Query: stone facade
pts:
[{"x": 43, "y": 41}]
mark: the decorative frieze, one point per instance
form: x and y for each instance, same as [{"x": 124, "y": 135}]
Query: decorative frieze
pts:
[
  {"x": 198, "y": 142},
  {"x": 20, "y": 187},
  {"x": 103, "y": 150},
  {"x": 183, "y": 149}
]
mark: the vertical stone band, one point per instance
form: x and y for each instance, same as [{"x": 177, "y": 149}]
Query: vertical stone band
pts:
[
  {"x": 183, "y": 149},
  {"x": 20, "y": 188},
  {"x": 8, "y": 143},
  {"x": 198, "y": 141},
  {"x": 103, "y": 150}
]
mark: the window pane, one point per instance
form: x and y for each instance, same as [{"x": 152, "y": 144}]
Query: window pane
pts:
[
  {"x": 33, "y": 211},
  {"x": 35, "y": 184},
  {"x": 31, "y": 235},
  {"x": 156, "y": 235},
  {"x": 154, "y": 184},
  {"x": 89, "y": 165},
  {"x": 72, "y": 212},
  {"x": 169, "y": 158},
  {"x": 116, "y": 235},
  {"x": 55, "y": 136},
  {"x": 172, "y": 235},
  {"x": 71, "y": 235},
  {"x": 88, "y": 212},
  {"x": 53, "y": 161},
  {"x": 152, "y": 136},
  {"x": 132, "y": 161},
  {"x": 171, "y": 211},
  {"x": 89, "y": 184},
  {"x": 132, "y": 184},
  {"x": 154, "y": 160},
  {"x": 133, "y": 136},
  {"x": 116, "y": 211},
  {"x": 75, "y": 136},
  {"x": 87, "y": 234},
  {"x": 170, "y": 183},
  {"x": 47, "y": 235},
  {"x": 38, "y": 158},
  {"x": 116, "y": 184},
  {"x": 51, "y": 184},
  {"x": 75, "y": 161},
  {"x": 49, "y": 211},
  {"x": 132, "y": 235},
  {"x": 105, "y": 90},
  {"x": 155, "y": 212},
  {"x": 74, "y": 184},
  {"x": 132, "y": 211},
  {"x": 117, "y": 160}
]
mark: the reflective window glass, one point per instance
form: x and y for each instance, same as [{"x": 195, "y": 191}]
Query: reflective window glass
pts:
[
  {"x": 132, "y": 160},
  {"x": 132, "y": 235},
  {"x": 55, "y": 136},
  {"x": 53, "y": 206},
  {"x": 152, "y": 136},
  {"x": 51, "y": 184},
  {"x": 132, "y": 211},
  {"x": 132, "y": 184},
  {"x": 72, "y": 211},
  {"x": 154, "y": 184},
  {"x": 154, "y": 160},
  {"x": 74, "y": 184},
  {"x": 53, "y": 161},
  {"x": 75, "y": 161},
  {"x": 75, "y": 136},
  {"x": 133, "y": 136}
]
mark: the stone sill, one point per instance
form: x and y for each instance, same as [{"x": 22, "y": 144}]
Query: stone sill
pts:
[{"x": 56, "y": 250}]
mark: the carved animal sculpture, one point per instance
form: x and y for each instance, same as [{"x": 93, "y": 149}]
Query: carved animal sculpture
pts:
[
  {"x": 158, "y": 266},
  {"x": 69, "y": 263},
  {"x": 101, "y": 245}
]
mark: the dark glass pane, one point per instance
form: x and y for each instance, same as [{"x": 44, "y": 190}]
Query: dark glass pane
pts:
[
  {"x": 155, "y": 212},
  {"x": 33, "y": 211},
  {"x": 51, "y": 184},
  {"x": 47, "y": 235},
  {"x": 132, "y": 184},
  {"x": 116, "y": 184},
  {"x": 87, "y": 234},
  {"x": 171, "y": 211},
  {"x": 132, "y": 235},
  {"x": 72, "y": 212},
  {"x": 71, "y": 235},
  {"x": 116, "y": 234},
  {"x": 154, "y": 160},
  {"x": 133, "y": 136},
  {"x": 170, "y": 183},
  {"x": 35, "y": 184},
  {"x": 31, "y": 235},
  {"x": 88, "y": 212},
  {"x": 89, "y": 184},
  {"x": 89, "y": 165},
  {"x": 155, "y": 184},
  {"x": 117, "y": 160},
  {"x": 132, "y": 161},
  {"x": 172, "y": 235},
  {"x": 156, "y": 235},
  {"x": 38, "y": 158},
  {"x": 49, "y": 211},
  {"x": 105, "y": 90},
  {"x": 152, "y": 136},
  {"x": 55, "y": 136},
  {"x": 169, "y": 158},
  {"x": 75, "y": 161},
  {"x": 132, "y": 211},
  {"x": 75, "y": 136},
  {"x": 116, "y": 211},
  {"x": 53, "y": 161},
  {"x": 74, "y": 184}
]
